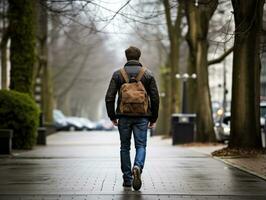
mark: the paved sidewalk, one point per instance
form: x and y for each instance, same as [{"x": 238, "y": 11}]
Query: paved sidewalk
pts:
[
  {"x": 255, "y": 164},
  {"x": 85, "y": 165}
]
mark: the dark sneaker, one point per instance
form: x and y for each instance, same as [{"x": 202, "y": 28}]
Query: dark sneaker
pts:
[
  {"x": 127, "y": 185},
  {"x": 136, "y": 178}
]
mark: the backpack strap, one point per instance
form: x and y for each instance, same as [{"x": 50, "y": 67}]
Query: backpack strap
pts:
[
  {"x": 124, "y": 74},
  {"x": 141, "y": 73}
]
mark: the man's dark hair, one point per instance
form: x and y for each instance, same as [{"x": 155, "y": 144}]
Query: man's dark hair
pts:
[{"x": 132, "y": 53}]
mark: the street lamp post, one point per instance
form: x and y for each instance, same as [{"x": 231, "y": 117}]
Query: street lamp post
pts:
[
  {"x": 196, "y": 3},
  {"x": 184, "y": 77}
]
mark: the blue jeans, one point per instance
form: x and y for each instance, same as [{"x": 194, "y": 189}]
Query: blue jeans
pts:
[{"x": 139, "y": 126}]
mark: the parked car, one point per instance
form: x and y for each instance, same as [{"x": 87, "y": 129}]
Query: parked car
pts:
[
  {"x": 262, "y": 114},
  {"x": 75, "y": 124},
  {"x": 89, "y": 125},
  {"x": 216, "y": 106},
  {"x": 222, "y": 128},
  {"x": 60, "y": 121},
  {"x": 106, "y": 125}
]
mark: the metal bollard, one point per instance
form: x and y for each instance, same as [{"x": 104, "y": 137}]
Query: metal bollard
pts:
[{"x": 41, "y": 137}]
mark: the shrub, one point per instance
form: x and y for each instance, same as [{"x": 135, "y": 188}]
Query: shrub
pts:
[{"x": 19, "y": 112}]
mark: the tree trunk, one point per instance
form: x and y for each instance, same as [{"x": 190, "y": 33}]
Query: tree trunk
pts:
[
  {"x": 245, "y": 123},
  {"x": 44, "y": 68},
  {"x": 48, "y": 103},
  {"x": 174, "y": 104},
  {"x": 191, "y": 38},
  {"x": 4, "y": 41},
  {"x": 178, "y": 35},
  {"x": 174, "y": 32},
  {"x": 166, "y": 104},
  {"x": 198, "y": 20},
  {"x": 22, "y": 50},
  {"x": 165, "y": 114},
  {"x": 205, "y": 131},
  {"x": 191, "y": 85}
]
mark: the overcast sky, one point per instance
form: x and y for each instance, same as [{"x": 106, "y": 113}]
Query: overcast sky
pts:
[{"x": 117, "y": 29}]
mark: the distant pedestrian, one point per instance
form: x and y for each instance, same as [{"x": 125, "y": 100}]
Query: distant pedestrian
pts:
[{"x": 137, "y": 110}]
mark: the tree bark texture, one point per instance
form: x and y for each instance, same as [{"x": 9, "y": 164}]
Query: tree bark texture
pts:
[
  {"x": 22, "y": 50},
  {"x": 191, "y": 84},
  {"x": 205, "y": 131},
  {"x": 245, "y": 122},
  {"x": 174, "y": 38},
  {"x": 165, "y": 117},
  {"x": 43, "y": 67},
  {"x": 191, "y": 38},
  {"x": 4, "y": 41},
  {"x": 198, "y": 20}
]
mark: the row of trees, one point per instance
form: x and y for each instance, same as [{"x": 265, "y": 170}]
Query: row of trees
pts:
[
  {"x": 187, "y": 28},
  {"x": 81, "y": 59},
  {"x": 59, "y": 43},
  {"x": 55, "y": 44},
  {"x": 245, "y": 124},
  {"x": 192, "y": 22},
  {"x": 24, "y": 24}
]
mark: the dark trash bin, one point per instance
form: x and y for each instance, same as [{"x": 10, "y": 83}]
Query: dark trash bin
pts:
[
  {"x": 6, "y": 141},
  {"x": 182, "y": 128}
]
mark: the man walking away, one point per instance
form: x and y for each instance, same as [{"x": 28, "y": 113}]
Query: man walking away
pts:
[{"x": 137, "y": 110}]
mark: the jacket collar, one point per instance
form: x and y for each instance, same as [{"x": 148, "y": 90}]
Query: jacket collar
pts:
[{"x": 133, "y": 63}]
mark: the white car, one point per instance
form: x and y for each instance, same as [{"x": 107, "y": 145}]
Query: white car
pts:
[
  {"x": 89, "y": 125},
  {"x": 222, "y": 128},
  {"x": 74, "y": 124}
]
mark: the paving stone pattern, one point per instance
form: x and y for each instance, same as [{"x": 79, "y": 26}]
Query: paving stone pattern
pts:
[{"x": 85, "y": 165}]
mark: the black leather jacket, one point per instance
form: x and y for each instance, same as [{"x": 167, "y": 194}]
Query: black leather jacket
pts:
[{"x": 132, "y": 68}]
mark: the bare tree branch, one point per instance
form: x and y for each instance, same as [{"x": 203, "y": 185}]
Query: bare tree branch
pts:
[
  {"x": 220, "y": 58},
  {"x": 72, "y": 83}
]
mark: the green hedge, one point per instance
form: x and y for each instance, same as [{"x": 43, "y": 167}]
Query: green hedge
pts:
[{"x": 19, "y": 112}]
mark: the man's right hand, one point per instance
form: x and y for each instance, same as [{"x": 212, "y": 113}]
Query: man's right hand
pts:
[
  {"x": 151, "y": 125},
  {"x": 115, "y": 123}
]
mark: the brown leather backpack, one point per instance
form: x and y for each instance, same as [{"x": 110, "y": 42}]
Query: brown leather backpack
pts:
[{"x": 134, "y": 98}]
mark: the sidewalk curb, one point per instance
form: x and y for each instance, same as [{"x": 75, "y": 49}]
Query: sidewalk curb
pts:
[{"x": 239, "y": 167}]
